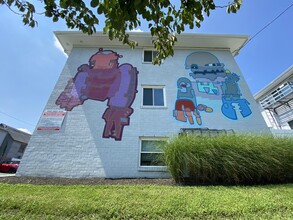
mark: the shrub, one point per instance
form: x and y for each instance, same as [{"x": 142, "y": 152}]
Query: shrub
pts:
[{"x": 230, "y": 159}]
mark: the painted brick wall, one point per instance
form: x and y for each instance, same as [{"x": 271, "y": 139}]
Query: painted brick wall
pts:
[{"x": 78, "y": 149}]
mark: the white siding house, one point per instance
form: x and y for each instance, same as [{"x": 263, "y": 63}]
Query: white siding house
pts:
[
  {"x": 111, "y": 106},
  {"x": 13, "y": 143},
  {"x": 276, "y": 102}
]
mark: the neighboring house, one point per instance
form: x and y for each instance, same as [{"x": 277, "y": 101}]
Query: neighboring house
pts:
[
  {"x": 276, "y": 102},
  {"x": 111, "y": 107},
  {"x": 12, "y": 143}
]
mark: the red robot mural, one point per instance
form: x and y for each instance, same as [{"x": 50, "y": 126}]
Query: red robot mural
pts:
[{"x": 104, "y": 79}]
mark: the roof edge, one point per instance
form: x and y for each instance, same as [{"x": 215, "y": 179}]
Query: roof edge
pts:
[
  {"x": 66, "y": 39},
  {"x": 281, "y": 78}
]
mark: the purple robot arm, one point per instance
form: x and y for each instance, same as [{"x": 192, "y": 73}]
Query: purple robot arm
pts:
[
  {"x": 121, "y": 97},
  {"x": 72, "y": 94}
]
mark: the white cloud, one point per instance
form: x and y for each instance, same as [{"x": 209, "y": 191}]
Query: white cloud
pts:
[
  {"x": 58, "y": 46},
  {"x": 136, "y": 30},
  {"x": 24, "y": 130}
]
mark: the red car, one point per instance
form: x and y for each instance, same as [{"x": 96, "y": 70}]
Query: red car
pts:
[{"x": 9, "y": 166}]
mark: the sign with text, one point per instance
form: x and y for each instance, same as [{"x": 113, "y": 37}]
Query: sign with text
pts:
[{"x": 51, "y": 120}]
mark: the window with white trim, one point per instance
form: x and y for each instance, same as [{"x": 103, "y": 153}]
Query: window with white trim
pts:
[
  {"x": 153, "y": 96},
  {"x": 151, "y": 152},
  {"x": 149, "y": 55}
]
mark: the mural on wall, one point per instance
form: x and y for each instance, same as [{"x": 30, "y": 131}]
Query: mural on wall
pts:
[
  {"x": 209, "y": 80},
  {"x": 231, "y": 95},
  {"x": 208, "y": 73},
  {"x": 104, "y": 79},
  {"x": 186, "y": 105}
]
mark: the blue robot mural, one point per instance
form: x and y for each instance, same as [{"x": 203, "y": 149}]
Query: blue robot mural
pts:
[
  {"x": 211, "y": 80},
  {"x": 231, "y": 95},
  {"x": 186, "y": 105}
]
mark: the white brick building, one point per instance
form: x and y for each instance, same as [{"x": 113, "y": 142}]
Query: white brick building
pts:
[{"x": 110, "y": 104}]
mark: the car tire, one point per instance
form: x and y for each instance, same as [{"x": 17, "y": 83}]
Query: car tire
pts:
[{"x": 12, "y": 171}]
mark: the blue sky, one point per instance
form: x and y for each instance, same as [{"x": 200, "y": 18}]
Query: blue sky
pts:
[{"x": 31, "y": 61}]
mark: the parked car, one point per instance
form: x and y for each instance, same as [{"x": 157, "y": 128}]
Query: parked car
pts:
[
  {"x": 9, "y": 166},
  {"x": 208, "y": 68}
]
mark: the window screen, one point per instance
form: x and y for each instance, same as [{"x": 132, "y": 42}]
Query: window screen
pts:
[
  {"x": 149, "y": 55},
  {"x": 158, "y": 97},
  {"x": 151, "y": 153},
  {"x": 153, "y": 97}
]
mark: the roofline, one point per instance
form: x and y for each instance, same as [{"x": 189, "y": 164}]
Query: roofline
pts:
[
  {"x": 9, "y": 129},
  {"x": 241, "y": 40},
  {"x": 148, "y": 34},
  {"x": 280, "y": 79},
  {"x": 5, "y": 126}
]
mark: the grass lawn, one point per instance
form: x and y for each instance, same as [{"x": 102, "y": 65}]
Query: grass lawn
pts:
[{"x": 145, "y": 202}]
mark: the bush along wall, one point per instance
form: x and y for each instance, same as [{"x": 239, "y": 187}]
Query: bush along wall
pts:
[{"x": 230, "y": 159}]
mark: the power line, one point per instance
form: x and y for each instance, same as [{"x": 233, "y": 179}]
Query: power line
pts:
[
  {"x": 17, "y": 119},
  {"x": 237, "y": 50}
]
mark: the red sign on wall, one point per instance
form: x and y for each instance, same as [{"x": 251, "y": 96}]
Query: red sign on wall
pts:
[{"x": 51, "y": 120}]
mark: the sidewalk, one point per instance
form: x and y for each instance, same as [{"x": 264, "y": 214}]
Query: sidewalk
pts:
[{"x": 6, "y": 174}]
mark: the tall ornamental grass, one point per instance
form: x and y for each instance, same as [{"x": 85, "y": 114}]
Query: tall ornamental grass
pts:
[{"x": 230, "y": 159}]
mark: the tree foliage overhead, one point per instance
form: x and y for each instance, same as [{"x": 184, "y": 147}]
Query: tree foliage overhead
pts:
[{"x": 164, "y": 18}]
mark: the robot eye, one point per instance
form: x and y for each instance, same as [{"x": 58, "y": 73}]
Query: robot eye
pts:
[
  {"x": 194, "y": 66},
  {"x": 92, "y": 64},
  {"x": 111, "y": 63}
]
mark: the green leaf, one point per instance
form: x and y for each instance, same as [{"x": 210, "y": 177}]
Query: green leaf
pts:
[
  {"x": 55, "y": 18},
  {"x": 100, "y": 9},
  {"x": 32, "y": 23},
  {"x": 163, "y": 17},
  {"x": 137, "y": 3},
  {"x": 21, "y": 9},
  {"x": 25, "y": 20},
  {"x": 94, "y": 3},
  {"x": 9, "y": 2}
]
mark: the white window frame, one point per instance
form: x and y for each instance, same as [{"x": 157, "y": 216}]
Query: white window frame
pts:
[
  {"x": 153, "y": 87},
  {"x": 150, "y": 168},
  {"x": 148, "y": 62}
]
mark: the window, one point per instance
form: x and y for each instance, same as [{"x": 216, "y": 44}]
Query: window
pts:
[
  {"x": 153, "y": 96},
  {"x": 149, "y": 55},
  {"x": 151, "y": 152},
  {"x": 22, "y": 149},
  {"x": 277, "y": 94},
  {"x": 290, "y": 123}
]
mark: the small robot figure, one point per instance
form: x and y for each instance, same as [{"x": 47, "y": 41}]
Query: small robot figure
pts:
[{"x": 186, "y": 104}]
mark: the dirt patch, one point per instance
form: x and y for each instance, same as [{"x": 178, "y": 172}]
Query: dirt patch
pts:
[{"x": 82, "y": 181}]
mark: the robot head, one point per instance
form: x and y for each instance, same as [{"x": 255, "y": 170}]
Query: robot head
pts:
[
  {"x": 184, "y": 84},
  {"x": 104, "y": 59},
  {"x": 199, "y": 59}
]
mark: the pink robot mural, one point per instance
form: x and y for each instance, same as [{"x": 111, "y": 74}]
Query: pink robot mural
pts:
[{"x": 104, "y": 79}]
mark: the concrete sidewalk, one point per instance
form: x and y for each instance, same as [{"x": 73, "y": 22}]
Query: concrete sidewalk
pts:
[{"x": 6, "y": 174}]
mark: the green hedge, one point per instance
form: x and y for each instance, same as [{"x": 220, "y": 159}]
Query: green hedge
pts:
[{"x": 230, "y": 159}]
